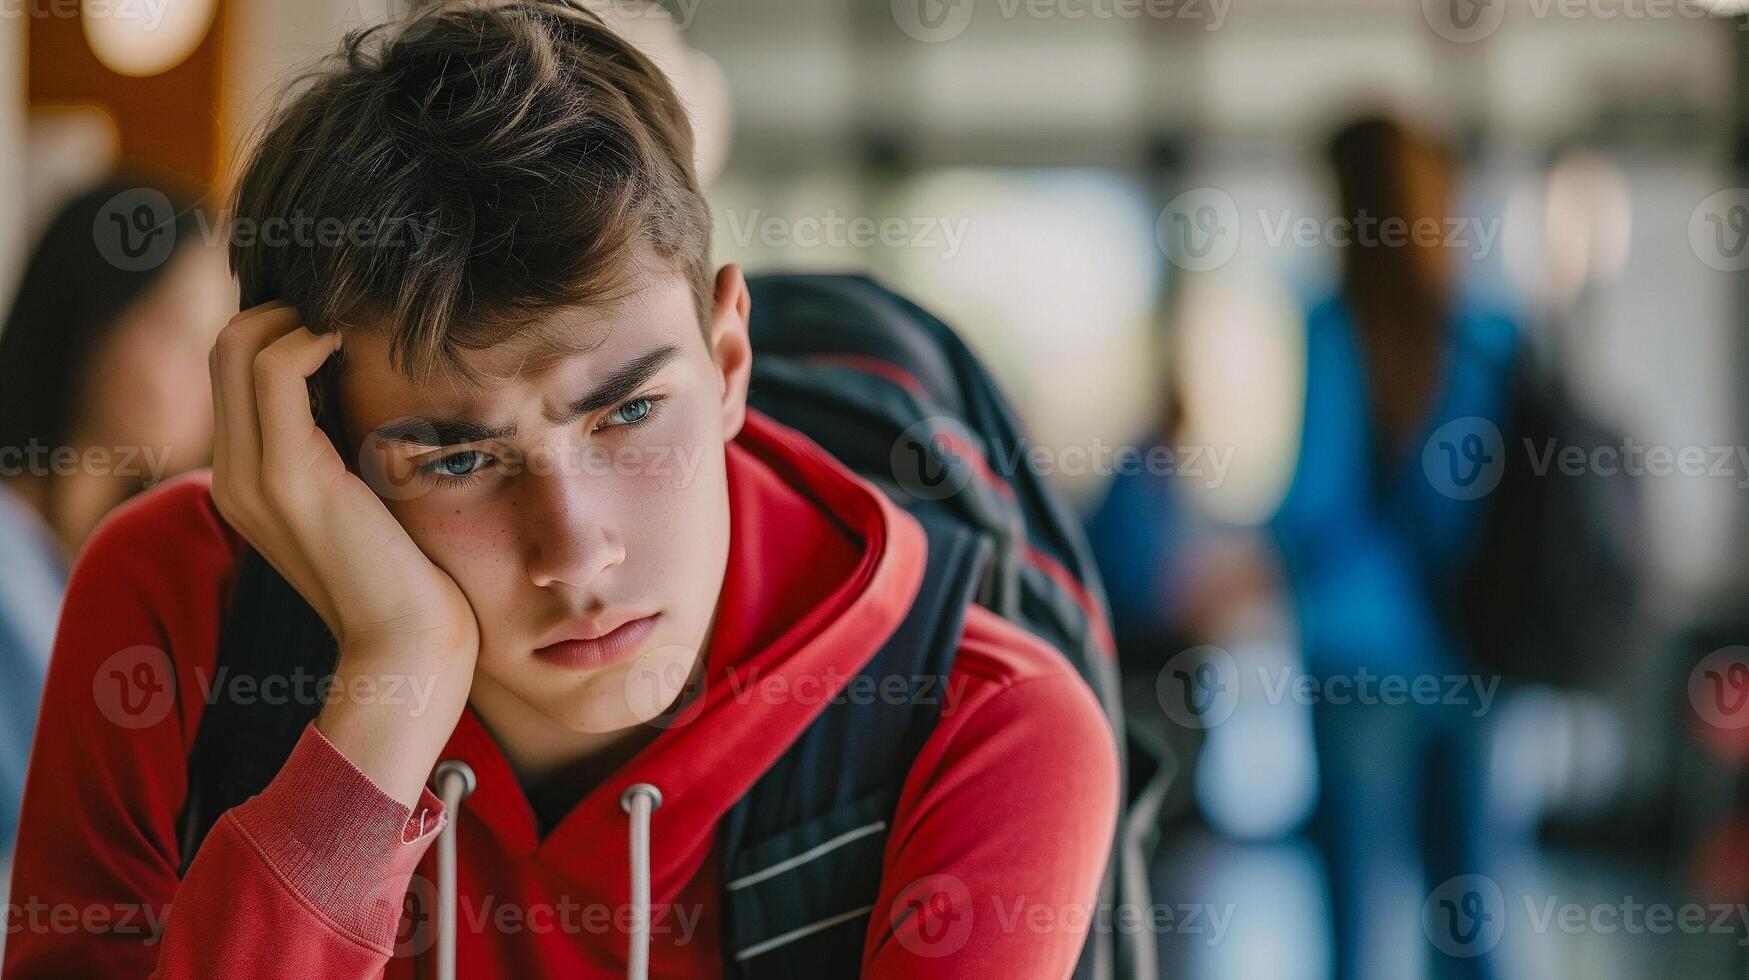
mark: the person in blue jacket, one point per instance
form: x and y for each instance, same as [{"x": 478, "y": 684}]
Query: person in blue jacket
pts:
[{"x": 1408, "y": 390}]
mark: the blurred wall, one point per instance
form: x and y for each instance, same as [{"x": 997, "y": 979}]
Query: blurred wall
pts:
[
  {"x": 12, "y": 120},
  {"x": 165, "y": 120}
]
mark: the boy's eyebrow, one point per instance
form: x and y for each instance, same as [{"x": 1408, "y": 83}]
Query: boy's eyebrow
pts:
[{"x": 615, "y": 388}]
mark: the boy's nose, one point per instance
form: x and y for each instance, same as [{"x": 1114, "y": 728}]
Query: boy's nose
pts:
[{"x": 569, "y": 538}]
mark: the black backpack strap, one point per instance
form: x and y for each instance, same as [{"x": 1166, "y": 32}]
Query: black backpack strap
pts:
[
  {"x": 241, "y": 745},
  {"x": 802, "y": 850}
]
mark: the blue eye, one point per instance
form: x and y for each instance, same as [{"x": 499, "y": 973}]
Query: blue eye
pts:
[
  {"x": 632, "y": 412},
  {"x": 455, "y": 467}
]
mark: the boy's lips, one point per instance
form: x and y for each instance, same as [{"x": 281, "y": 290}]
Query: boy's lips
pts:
[{"x": 598, "y": 650}]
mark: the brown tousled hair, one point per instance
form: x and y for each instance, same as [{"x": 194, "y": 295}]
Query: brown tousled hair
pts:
[{"x": 498, "y": 159}]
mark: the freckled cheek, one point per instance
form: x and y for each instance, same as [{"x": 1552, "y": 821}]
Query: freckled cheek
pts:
[{"x": 475, "y": 546}]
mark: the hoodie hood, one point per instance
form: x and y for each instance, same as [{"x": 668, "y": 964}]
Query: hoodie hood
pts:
[{"x": 822, "y": 568}]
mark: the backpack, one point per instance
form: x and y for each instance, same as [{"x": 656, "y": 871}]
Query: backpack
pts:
[
  {"x": 1551, "y": 595},
  {"x": 898, "y": 398}
]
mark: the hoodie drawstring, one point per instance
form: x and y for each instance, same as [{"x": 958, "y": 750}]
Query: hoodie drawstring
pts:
[
  {"x": 455, "y": 782},
  {"x": 640, "y": 800}
]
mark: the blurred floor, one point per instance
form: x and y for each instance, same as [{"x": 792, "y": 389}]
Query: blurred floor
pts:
[{"x": 1251, "y": 911}]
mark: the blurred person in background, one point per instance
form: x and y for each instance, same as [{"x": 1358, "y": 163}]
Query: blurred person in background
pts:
[
  {"x": 104, "y": 389},
  {"x": 1376, "y": 539},
  {"x": 1422, "y": 543}
]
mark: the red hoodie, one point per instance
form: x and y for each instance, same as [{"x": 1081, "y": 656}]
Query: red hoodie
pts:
[{"x": 1008, "y": 812}]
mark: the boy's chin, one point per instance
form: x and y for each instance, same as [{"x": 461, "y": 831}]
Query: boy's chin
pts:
[{"x": 649, "y": 690}]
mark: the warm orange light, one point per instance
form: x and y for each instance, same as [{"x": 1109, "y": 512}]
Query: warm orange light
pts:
[{"x": 146, "y": 37}]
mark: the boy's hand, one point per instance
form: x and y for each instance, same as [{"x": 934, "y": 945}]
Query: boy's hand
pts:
[{"x": 280, "y": 481}]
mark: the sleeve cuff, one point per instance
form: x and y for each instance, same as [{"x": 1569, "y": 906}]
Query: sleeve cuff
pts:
[{"x": 337, "y": 839}]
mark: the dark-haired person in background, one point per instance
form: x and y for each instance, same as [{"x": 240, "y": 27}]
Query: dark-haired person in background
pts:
[
  {"x": 103, "y": 389},
  {"x": 1374, "y": 544}
]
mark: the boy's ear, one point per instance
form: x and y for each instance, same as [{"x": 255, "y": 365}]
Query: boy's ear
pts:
[{"x": 730, "y": 347}]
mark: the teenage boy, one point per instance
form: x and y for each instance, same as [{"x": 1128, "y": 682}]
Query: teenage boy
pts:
[{"x": 598, "y": 545}]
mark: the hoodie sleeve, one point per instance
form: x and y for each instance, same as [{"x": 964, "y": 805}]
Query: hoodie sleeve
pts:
[
  {"x": 1004, "y": 828},
  {"x": 304, "y": 879}
]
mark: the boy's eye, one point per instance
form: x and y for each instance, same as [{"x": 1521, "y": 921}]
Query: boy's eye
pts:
[
  {"x": 631, "y": 413},
  {"x": 460, "y": 469},
  {"x": 454, "y": 465}
]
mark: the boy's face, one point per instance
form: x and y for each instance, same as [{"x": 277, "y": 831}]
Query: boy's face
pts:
[{"x": 619, "y": 513}]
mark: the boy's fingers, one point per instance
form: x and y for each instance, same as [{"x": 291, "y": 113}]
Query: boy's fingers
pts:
[
  {"x": 282, "y": 393},
  {"x": 271, "y": 306},
  {"x": 232, "y": 364}
]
